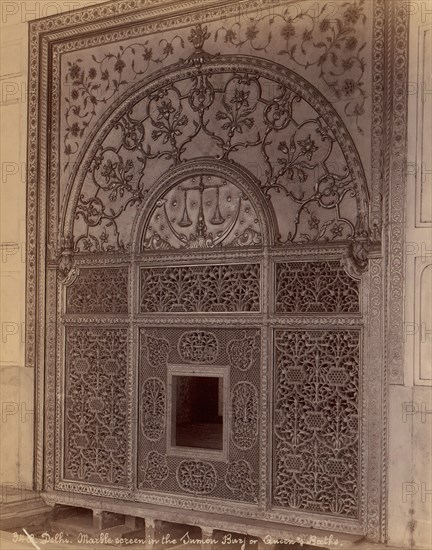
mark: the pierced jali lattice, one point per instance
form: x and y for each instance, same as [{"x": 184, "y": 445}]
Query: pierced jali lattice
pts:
[
  {"x": 96, "y": 405},
  {"x": 316, "y": 419},
  {"x": 210, "y": 288},
  {"x": 99, "y": 290},
  {"x": 315, "y": 287}
]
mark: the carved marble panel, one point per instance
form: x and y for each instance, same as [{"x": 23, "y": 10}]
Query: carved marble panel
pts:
[
  {"x": 316, "y": 421},
  {"x": 289, "y": 95},
  {"x": 233, "y": 472},
  {"x": 315, "y": 287},
  {"x": 96, "y": 399},
  {"x": 209, "y": 288},
  {"x": 99, "y": 291}
]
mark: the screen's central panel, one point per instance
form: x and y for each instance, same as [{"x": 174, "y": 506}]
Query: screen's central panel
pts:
[{"x": 199, "y": 403}]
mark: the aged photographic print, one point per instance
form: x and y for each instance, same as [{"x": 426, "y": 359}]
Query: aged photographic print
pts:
[{"x": 216, "y": 275}]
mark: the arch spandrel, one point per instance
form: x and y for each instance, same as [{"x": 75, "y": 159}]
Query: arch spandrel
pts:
[{"x": 248, "y": 112}]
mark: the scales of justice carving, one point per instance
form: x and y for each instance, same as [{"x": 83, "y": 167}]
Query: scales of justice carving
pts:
[{"x": 203, "y": 212}]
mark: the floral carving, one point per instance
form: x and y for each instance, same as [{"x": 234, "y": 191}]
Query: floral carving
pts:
[
  {"x": 157, "y": 351},
  {"x": 244, "y": 423},
  {"x": 242, "y": 353},
  {"x": 153, "y": 404},
  {"x": 216, "y": 288},
  {"x": 299, "y": 161},
  {"x": 314, "y": 37},
  {"x": 156, "y": 468},
  {"x": 316, "y": 412},
  {"x": 95, "y": 409},
  {"x": 197, "y": 477},
  {"x": 104, "y": 80},
  {"x": 198, "y": 346},
  {"x": 315, "y": 287},
  {"x": 240, "y": 480},
  {"x": 98, "y": 291}
]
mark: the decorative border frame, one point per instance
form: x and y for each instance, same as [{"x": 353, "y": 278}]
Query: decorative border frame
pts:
[{"x": 384, "y": 280}]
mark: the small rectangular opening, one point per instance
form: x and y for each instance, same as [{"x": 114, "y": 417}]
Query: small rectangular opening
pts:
[{"x": 197, "y": 419}]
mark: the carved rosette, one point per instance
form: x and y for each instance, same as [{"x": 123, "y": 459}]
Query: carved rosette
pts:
[
  {"x": 198, "y": 346},
  {"x": 196, "y": 477},
  {"x": 155, "y": 470},
  {"x": 240, "y": 480}
]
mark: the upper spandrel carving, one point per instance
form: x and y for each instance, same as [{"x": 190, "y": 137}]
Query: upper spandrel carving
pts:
[{"x": 232, "y": 110}]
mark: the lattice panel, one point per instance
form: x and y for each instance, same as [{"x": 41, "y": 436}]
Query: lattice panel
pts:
[
  {"x": 316, "y": 421},
  {"x": 209, "y": 288},
  {"x": 238, "y": 350},
  {"x": 96, "y": 405},
  {"x": 99, "y": 290},
  {"x": 315, "y": 287}
]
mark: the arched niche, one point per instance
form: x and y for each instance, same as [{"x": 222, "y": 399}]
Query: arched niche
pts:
[{"x": 256, "y": 117}]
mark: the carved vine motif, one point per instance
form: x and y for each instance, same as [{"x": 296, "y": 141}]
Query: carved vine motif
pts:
[
  {"x": 153, "y": 405},
  {"x": 213, "y": 204},
  {"x": 323, "y": 37},
  {"x": 314, "y": 36},
  {"x": 197, "y": 477},
  {"x": 157, "y": 351},
  {"x": 99, "y": 291},
  {"x": 315, "y": 287},
  {"x": 95, "y": 409},
  {"x": 103, "y": 81},
  {"x": 244, "y": 423},
  {"x": 316, "y": 421},
  {"x": 230, "y": 116},
  {"x": 198, "y": 346},
  {"x": 155, "y": 469},
  {"x": 240, "y": 480},
  {"x": 216, "y": 288},
  {"x": 242, "y": 353}
]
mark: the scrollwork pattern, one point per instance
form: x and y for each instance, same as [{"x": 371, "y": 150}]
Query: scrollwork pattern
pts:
[
  {"x": 242, "y": 353},
  {"x": 299, "y": 161},
  {"x": 155, "y": 470},
  {"x": 157, "y": 351}
]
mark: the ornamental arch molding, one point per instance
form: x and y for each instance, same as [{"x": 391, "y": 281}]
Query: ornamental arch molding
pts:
[{"x": 257, "y": 119}]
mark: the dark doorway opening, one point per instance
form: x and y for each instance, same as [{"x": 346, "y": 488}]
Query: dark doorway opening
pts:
[{"x": 198, "y": 412}]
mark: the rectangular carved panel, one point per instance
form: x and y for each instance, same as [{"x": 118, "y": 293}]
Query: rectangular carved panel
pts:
[
  {"x": 209, "y": 288},
  {"x": 315, "y": 287},
  {"x": 96, "y": 405},
  {"x": 99, "y": 291},
  {"x": 238, "y": 353},
  {"x": 316, "y": 421}
]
